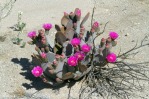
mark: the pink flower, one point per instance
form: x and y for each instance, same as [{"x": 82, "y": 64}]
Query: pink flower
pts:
[
  {"x": 31, "y": 34},
  {"x": 78, "y": 12},
  {"x": 85, "y": 48},
  {"x": 113, "y": 35},
  {"x": 111, "y": 58},
  {"x": 37, "y": 71},
  {"x": 80, "y": 55},
  {"x": 75, "y": 42},
  {"x": 47, "y": 26},
  {"x": 72, "y": 61},
  {"x": 43, "y": 55},
  {"x": 95, "y": 25}
]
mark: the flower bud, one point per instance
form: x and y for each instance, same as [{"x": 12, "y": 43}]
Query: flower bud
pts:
[
  {"x": 96, "y": 24},
  {"x": 78, "y": 12},
  {"x": 55, "y": 62},
  {"x": 37, "y": 49},
  {"x": 109, "y": 40},
  {"x": 51, "y": 71},
  {"x": 41, "y": 32},
  {"x": 103, "y": 41},
  {"x": 47, "y": 49},
  {"x": 43, "y": 41},
  {"x": 114, "y": 43}
]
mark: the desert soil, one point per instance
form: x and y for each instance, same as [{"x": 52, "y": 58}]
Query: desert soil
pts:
[{"x": 130, "y": 18}]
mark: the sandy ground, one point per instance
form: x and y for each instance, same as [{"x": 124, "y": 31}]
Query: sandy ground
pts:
[{"x": 127, "y": 17}]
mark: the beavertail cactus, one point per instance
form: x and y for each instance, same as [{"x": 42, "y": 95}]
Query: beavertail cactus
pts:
[{"x": 74, "y": 51}]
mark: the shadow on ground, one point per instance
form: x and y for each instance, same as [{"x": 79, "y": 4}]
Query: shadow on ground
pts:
[{"x": 36, "y": 83}]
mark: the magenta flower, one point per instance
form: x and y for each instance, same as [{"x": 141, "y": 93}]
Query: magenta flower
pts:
[
  {"x": 47, "y": 26},
  {"x": 72, "y": 61},
  {"x": 75, "y": 42},
  {"x": 113, "y": 35},
  {"x": 95, "y": 25},
  {"x": 78, "y": 12},
  {"x": 31, "y": 34},
  {"x": 111, "y": 57},
  {"x": 37, "y": 71},
  {"x": 85, "y": 48},
  {"x": 43, "y": 55},
  {"x": 80, "y": 55}
]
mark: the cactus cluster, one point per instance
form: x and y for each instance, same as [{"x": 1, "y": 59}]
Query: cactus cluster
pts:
[{"x": 74, "y": 53}]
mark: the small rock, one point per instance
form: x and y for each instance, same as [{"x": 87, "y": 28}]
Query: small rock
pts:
[
  {"x": 2, "y": 38},
  {"x": 127, "y": 34},
  {"x": 133, "y": 41}
]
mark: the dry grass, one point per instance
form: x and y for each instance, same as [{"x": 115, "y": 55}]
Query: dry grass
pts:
[{"x": 19, "y": 92}]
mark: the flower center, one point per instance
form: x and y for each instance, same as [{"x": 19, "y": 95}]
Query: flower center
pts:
[
  {"x": 111, "y": 58},
  {"x": 37, "y": 72},
  {"x": 72, "y": 62},
  {"x": 79, "y": 56}
]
